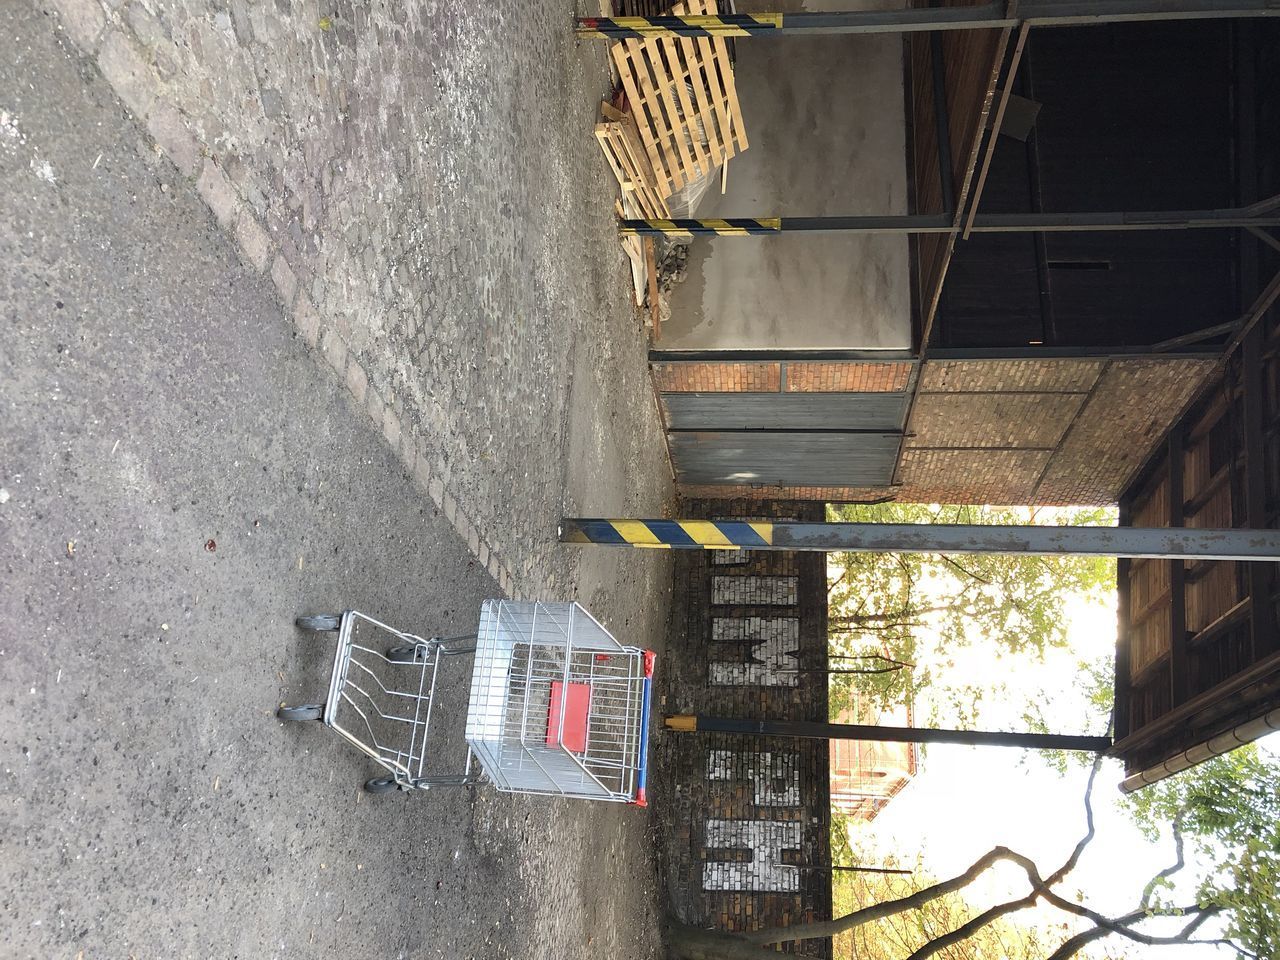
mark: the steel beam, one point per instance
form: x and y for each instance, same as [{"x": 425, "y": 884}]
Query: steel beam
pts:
[
  {"x": 924, "y": 223},
  {"x": 1157, "y": 543},
  {"x": 942, "y": 126},
  {"x": 989, "y": 16},
  {"x": 691, "y": 723}
]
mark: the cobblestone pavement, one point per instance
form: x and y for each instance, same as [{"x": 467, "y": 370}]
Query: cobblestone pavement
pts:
[
  {"x": 411, "y": 198},
  {"x": 420, "y": 182}
]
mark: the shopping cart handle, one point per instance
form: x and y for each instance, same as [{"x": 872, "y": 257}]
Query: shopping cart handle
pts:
[{"x": 642, "y": 776}]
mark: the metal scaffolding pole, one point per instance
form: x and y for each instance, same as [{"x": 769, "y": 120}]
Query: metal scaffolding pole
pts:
[
  {"x": 1159, "y": 543},
  {"x": 990, "y": 16},
  {"x": 921, "y": 223},
  {"x": 692, "y": 723}
]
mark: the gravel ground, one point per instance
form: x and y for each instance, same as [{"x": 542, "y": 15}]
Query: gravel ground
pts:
[{"x": 181, "y": 473}]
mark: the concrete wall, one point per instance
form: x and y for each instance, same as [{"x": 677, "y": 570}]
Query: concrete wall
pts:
[{"x": 825, "y": 122}]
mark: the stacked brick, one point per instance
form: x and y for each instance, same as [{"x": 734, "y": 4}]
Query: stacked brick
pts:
[
  {"x": 826, "y": 377},
  {"x": 848, "y": 377},
  {"x": 745, "y": 820},
  {"x": 716, "y": 377}
]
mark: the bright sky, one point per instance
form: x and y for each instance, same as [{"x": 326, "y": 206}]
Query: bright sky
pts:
[{"x": 967, "y": 800}]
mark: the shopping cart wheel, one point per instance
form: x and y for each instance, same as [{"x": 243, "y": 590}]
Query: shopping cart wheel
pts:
[
  {"x": 380, "y": 785},
  {"x": 306, "y": 711},
  {"x": 321, "y": 623},
  {"x": 403, "y": 654}
]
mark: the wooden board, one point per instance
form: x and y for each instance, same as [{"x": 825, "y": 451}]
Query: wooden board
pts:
[
  {"x": 621, "y": 144},
  {"x": 634, "y": 250},
  {"x": 682, "y": 94},
  {"x": 645, "y": 8}
]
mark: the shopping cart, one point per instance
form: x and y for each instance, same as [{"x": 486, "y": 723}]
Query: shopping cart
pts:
[{"x": 557, "y": 706}]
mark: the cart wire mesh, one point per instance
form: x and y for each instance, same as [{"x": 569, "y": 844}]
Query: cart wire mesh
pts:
[
  {"x": 384, "y": 706},
  {"x": 557, "y": 705}
]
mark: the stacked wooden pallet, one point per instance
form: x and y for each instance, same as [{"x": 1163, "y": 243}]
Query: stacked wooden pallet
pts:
[
  {"x": 626, "y": 154},
  {"x": 682, "y": 123},
  {"x": 621, "y": 144},
  {"x": 682, "y": 94}
]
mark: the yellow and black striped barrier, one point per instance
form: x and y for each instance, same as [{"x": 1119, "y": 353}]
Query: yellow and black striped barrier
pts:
[
  {"x": 665, "y": 534},
  {"x": 734, "y": 227},
  {"x": 694, "y": 25}
]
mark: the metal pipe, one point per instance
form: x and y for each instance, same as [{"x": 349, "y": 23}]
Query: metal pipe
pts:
[
  {"x": 1158, "y": 543},
  {"x": 1215, "y": 747},
  {"x": 988, "y": 16},
  {"x": 924, "y": 223},
  {"x": 692, "y": 723}
]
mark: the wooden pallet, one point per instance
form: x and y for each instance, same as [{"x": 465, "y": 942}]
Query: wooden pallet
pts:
[
  {"x": 634, "y": 248},
  {"x": 620, "y": 141},
  {"x": 682, "y": 94},
  {"x": 645, "y": 8}
]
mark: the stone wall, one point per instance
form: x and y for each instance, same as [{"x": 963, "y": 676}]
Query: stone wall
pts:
[{"x": 745, "y": 820}]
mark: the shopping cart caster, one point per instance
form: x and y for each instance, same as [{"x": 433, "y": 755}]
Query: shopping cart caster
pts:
[
  {"x": 308, "y": 711},
  {"x": 404, "y": 654},
  {"x": 380, "y": 785},
  {"x": 319, "y": 622}
]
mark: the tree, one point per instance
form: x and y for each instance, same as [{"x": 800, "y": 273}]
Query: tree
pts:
[
  {"x": 1230, "y": 808},
  {"x": 880, "y": 605},
  {"x": 696, "y": 944},
  {"x": 899, "y": 935}
]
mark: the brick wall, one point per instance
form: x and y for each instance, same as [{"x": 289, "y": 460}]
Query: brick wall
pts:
[
  {"x": 1049, "y": 432},
  {"x": 716, "y": 377},
  {"x": 745, "y": 820},
  {"x": 804, "y": 377}
]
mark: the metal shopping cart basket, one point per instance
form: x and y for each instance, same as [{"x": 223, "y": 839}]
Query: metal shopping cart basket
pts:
[{"x": 557, "y": 706}]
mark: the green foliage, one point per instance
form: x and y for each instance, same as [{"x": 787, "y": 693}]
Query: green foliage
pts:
[
  {"x": 1230, "y": 808},
  {"x": 1012, "y": 604}
]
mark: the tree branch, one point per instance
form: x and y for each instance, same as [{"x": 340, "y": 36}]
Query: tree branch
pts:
[
  {"x": 872, "y": 656},
  {"x": 1062, "y": 903},
  {"x": 829, "y": 928},
  {"x": 1170, "y": 870},
  {"x": 968, "y": 573},
  {"x": 968, "y": 929},
  {"x": 1081, "y": 940},
  {"x": 1072, "y": 860},
  {"x": 839, "y": 925},
  {"x": 1198, "y": 914}
]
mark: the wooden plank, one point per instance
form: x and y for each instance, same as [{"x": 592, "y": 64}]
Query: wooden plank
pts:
[
  {"x": 683, "y": 98},
  {"x": 1178, "y": 680},
  {"x": 994, "y": 134},
  {"x": 689, "y": 51},
  {"x": 715, "y": 92},
  {"x": 687, "y": 129},
  {"x": 1233, "y": 617},
  {"x": 972, "y": 58},
  {"x": 672, "y": 130},
  {"x": 651, "y": 277},
  {"x": 1180, "y": 714},
  {"x": 622, "y": 56},
  {"x": 1262, "y": 624},
  {"x": 739, "y": 136},
  {"x": 630, "y": 165},
  {"x": 1121, "y": 719}
]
